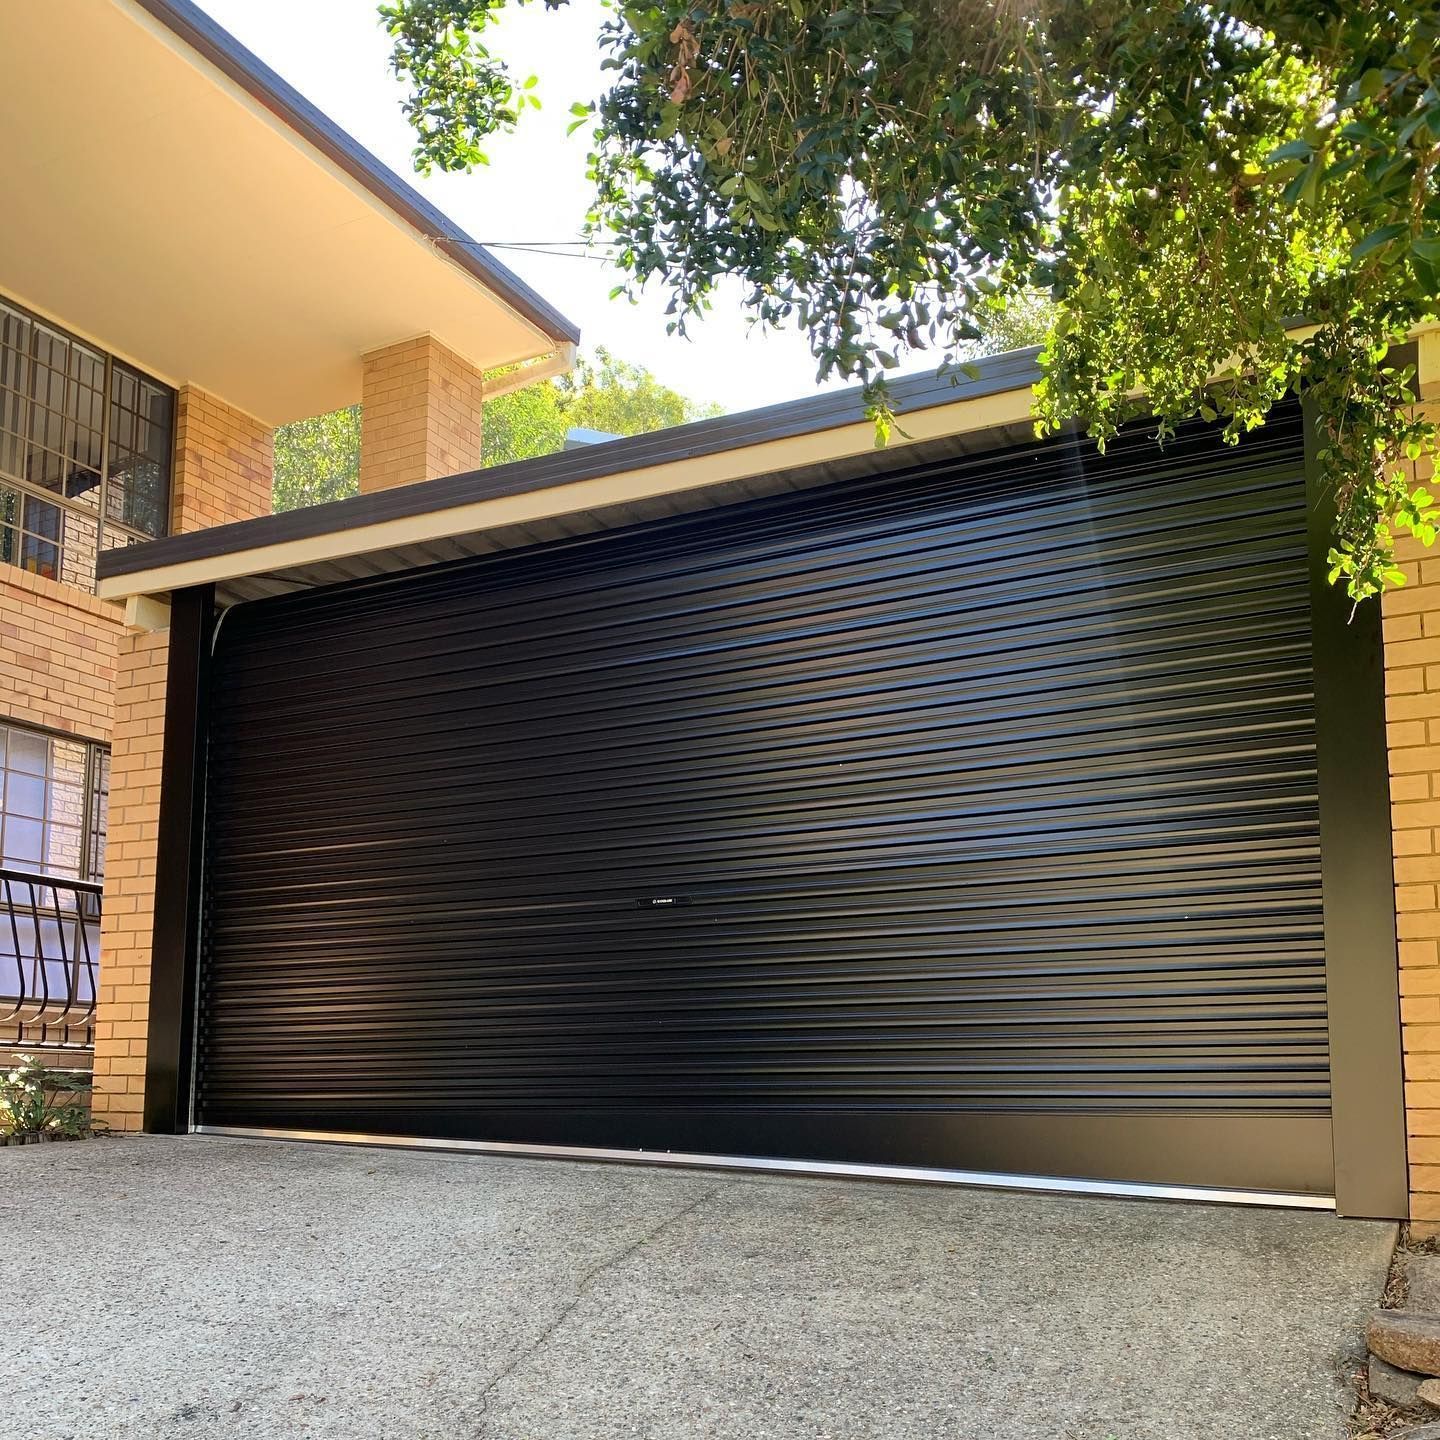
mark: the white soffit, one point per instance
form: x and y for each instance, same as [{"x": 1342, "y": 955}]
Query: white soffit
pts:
[{"x": 161, "y": 210}]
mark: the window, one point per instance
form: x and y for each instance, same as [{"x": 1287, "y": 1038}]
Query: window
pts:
[
  {"x": 85, "y": 444},
  {"x": 53, "y": 797}
]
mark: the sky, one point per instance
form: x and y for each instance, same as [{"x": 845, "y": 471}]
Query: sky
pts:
[{"x": 335, "y": 53}]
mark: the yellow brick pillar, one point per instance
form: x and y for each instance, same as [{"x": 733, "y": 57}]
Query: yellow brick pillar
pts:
[
  {"x": 224, "y": 462},
  {"x": 419, "y": 414},
  {"x": 1411, "y": 619},
  {"x": 127, "y": 922}
]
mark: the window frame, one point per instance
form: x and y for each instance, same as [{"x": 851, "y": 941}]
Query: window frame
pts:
[
  {"x": 94, "y": 798},
  {"x": 27, "y": 534}
]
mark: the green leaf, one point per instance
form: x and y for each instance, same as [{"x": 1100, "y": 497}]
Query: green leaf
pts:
[
  {"x": 1296, "y": 187},
  {"x": 1291, "y": 150},
  {"x": 1376, "y": 239},
  {"x": 1408, "y": 129}
]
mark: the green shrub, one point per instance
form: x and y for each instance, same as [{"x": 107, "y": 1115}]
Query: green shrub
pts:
[{"x": 38, "y": 1100}]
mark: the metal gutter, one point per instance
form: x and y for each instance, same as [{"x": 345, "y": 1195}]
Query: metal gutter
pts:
[
  {"x": 261, "y": 83},
  {"x": 997, "y": 374}
]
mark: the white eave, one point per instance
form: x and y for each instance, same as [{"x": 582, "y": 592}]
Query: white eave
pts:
[{"x": 192, "y": 212}]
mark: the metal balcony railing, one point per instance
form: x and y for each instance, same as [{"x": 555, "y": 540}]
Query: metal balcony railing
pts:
[{"x": 49, "y": 960}]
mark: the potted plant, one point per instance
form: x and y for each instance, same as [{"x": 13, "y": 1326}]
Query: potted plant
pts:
[{"x": 39, "y": 1103}]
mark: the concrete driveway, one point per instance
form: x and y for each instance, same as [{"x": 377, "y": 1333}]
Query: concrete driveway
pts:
[{"x": 200, "y": 1287}]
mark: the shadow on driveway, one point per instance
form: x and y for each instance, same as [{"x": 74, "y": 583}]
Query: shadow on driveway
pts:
[{"x": 197, "y": 1287}]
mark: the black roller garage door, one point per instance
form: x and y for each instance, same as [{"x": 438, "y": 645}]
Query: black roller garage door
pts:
[{"x": 960, "y": 818}]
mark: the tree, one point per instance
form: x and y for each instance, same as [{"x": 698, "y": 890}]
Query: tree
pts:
[
  {"x": 319, "y": 459},
  {"x": 1013, "y": 322},
  {"x": 1179, "y": 178},
  {"x": 600, "y": 394}
]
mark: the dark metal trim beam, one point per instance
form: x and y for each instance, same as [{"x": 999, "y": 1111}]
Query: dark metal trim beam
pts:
[
  {"x": 174, "y": 952},
  {"x": 1357, "y": 884},
  {"x": 1013, "y": 371},
  {"x": 259, "y": 81}
]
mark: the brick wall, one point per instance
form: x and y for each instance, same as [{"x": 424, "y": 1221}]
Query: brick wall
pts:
[
  {"x": 1411, "y": 620},
  {"x": 224, "y": 463},
  {"x": 223, "y": 471},
  {"x": 419, "y": 416},
  {"x": 57, "y": 655}
]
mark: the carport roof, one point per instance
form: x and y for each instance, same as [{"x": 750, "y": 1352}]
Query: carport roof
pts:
[{"x": 596, "y": 487}]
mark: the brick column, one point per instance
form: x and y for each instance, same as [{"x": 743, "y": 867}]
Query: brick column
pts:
[
  {"x": 128, "y": 919},
  {"x": 224, "y": 464},
  {"x": 224, "y": 461},
  {"x": 419, "y": 414},
  {"x": 1411, "y": 620}
]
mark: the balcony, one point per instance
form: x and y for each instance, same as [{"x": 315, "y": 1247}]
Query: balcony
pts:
[{"x": 49, "y": 961}]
